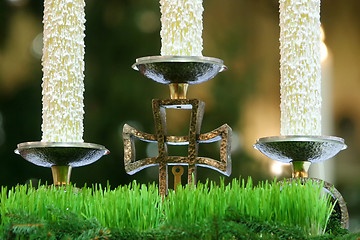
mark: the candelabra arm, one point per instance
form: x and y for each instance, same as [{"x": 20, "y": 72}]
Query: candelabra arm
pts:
[
  {"x": 61, "y": 175},
  {"x": 300, "y": 169}
]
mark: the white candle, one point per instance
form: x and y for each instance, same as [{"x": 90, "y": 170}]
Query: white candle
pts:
[
  {"x": 181, "y": 27},
  {"x": 300, "y": 67},
  {"x": 63, "y": 70}
]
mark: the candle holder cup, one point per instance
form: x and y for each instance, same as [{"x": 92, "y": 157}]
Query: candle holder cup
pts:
[
  {"x": 301, "y": 152},
  {"x": 179, "y": 71},
  {"x": 61, "y": 157}
]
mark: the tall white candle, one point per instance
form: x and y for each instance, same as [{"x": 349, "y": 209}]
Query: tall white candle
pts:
[
  {"x": 181, "y": 27},
  {"x": 300, "y": 67},
  {"x": 63, "y": 70}
]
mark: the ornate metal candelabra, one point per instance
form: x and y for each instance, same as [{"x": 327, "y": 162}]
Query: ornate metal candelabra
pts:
[
  {"x": 300, "y": 152},
  {"x": 178, "y": 72},
  {"x": 61, "y": 157}
]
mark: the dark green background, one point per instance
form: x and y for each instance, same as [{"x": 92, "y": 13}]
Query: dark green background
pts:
[{"x": 118, "y": 32}]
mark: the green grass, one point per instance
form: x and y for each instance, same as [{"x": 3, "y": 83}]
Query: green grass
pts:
[
  {"x": 139, "y": 209},
  {"x": 291, "y": 204}
]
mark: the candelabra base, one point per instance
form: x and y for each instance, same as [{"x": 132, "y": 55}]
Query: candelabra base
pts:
[
  {"x": 61, "y": 157},
  {"x": 335, "y": 197},
  {"x": 300, "y": 152}
]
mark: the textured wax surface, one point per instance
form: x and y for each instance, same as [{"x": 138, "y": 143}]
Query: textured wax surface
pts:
[
  {"x": 300, "y": 67},
  {"x": 63, "y": 70},
  {"x": 181, "y": 27}
]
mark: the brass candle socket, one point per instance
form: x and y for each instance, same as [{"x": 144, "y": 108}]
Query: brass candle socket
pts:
[
  {"x": 300, "y": 169},
  {"x": 178, "y": 90},
  {"x": 61, "y": 175}
]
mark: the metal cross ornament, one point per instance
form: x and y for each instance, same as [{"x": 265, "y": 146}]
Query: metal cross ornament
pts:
[
  {"x": 178, "y": 72},
  {"x": 193, "y": 139}
]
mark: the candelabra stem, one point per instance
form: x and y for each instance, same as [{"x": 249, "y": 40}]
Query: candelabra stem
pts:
[
  {"x": 300, "y": 169},
  {"x": 178, "y": 90},
  {"x": 61, "y": 175}
]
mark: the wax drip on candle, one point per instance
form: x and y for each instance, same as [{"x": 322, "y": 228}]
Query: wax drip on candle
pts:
[
  {"x": 300, "y": 67},
  {"x": 181, "y": 31},
  {"x": 63, "y": 70}
]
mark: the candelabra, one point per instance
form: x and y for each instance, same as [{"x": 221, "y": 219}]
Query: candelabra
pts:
[
  {"x": 301, "y": 152},
  {"x": 178, "y": 72}
]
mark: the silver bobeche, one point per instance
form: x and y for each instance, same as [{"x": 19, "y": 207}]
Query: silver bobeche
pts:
[
  {"x": 48, "y": 154},
  {"x": 300, "y": 148},
  {"x": 179, "y": 69}
]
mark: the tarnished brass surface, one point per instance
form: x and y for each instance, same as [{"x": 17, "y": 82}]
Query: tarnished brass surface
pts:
[
  {"x": 194, "y": 138},
  {"x": 178, "y": 90},
  {"x": 177, "y": 171},
  {"x": 336, "y": 196},
  {"x": 61, "y": 175},
  {"x": 300, "y": 169}
]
